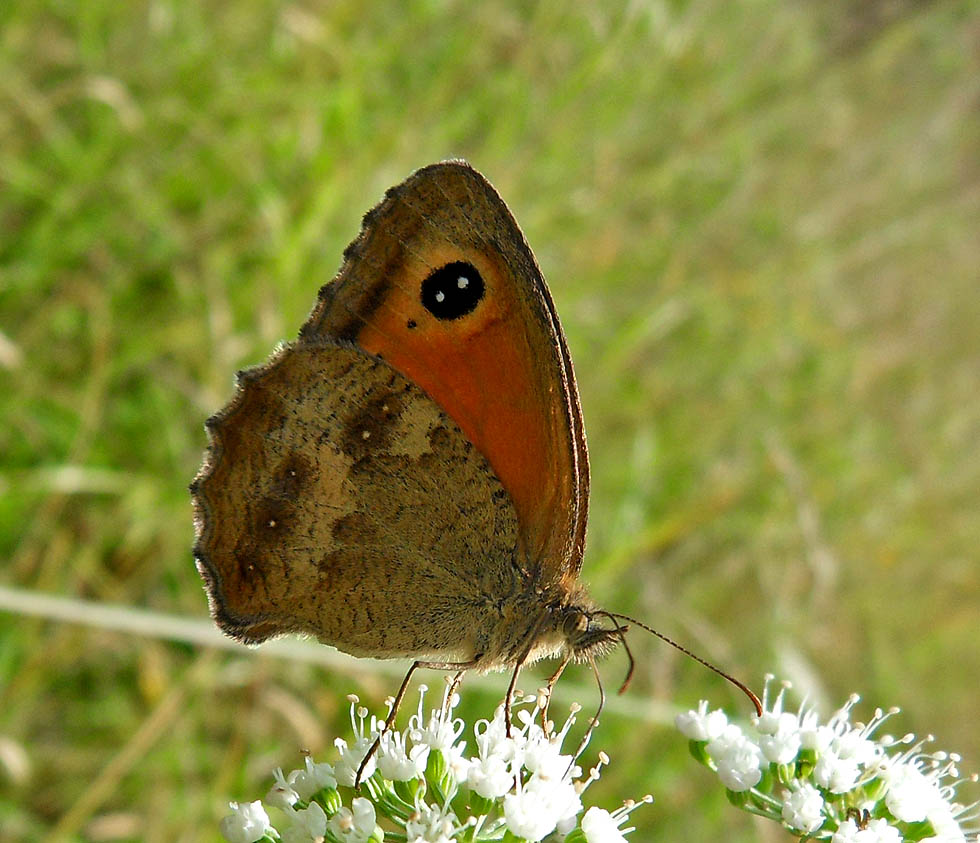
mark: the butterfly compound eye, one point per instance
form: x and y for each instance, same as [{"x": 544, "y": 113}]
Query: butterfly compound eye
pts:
[
  {"x": 453, "y": 290},
  {"x": 575, "y": 623}
]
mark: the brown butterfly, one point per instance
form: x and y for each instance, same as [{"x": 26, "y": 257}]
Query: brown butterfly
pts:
[{"x": 410, "y": 477}]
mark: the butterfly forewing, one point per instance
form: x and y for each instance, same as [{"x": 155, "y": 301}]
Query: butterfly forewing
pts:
[{"x": 489, "y": 351}]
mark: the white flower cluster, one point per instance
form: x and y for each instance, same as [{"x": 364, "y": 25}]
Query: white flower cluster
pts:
[
  {"x": 422, "y": 787},
  {"x": 833, "y": 781}
]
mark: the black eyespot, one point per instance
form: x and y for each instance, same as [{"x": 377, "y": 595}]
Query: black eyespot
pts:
[
  {"x": 452, "y": 291},
  {"x": 411, "y": 323}
]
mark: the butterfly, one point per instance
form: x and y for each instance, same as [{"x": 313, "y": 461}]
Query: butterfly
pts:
[{"x": 410, "y": 477}]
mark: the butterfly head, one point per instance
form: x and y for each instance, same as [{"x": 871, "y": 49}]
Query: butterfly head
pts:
[{"x": 585, "y": 637}]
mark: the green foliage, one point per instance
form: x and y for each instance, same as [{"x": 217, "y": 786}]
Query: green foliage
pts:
[{"x": 758, "y": 219}]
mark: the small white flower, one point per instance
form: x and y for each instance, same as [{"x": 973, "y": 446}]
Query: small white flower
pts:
[
  {"x": 351, "y": 756},
  {"x": 882, "y": 831},
  {"x": 543, "y": 755},
  {"x": 490, "y": 774},
  {"x": 441, "y": 731},
  {"x": 247, "y": 823},
  {"x": 737, "y": 759},
  {"x": 740, "y": 773},
  {"x": 535, "y": 809},
  {"x": 768, "y": 722},
  {"x": 354, "y": 824},
  {"x": 721, "y": 745},
  {"x": 813, "y": 734},
  {"x": 492, "y": 739},
  {"x": 853, "y": 742},
  {"x": 601, "y": 827},
  {"x": 854, "y": 745},
  {"x": 847, "y": 832},
  {"x": 702, "y": 725},
  {"x": 312, "y": 779},
  {"x": 560, "y": 797},
  {"x": 910, "y": 795},
  {"x": 780, "y": 741},
  {"x": 396, "y": 762},
  {"x": 525, "y": 818},
  {"x": 876, "y": 831},
  {"x": 490, "y": 777},
  {"x": 803, "y": 809},
  {"x": 946, "y": 826},
  {"x": 309, "y": 823},
  {"x": 350, "y": 761},
  {"x": 281, "y": 794},
  {"x": 429, "y": 825},
  {"x": 838, "y": 775}
]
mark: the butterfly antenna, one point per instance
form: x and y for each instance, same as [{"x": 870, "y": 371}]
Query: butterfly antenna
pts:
[
  {"x": 595, "y": 717},
  {"x": 553, "y": 679},
  {"x": 598, "y": 711},
  {"x": 740, "y": 685},
  {"x": 602, "y": 702}
]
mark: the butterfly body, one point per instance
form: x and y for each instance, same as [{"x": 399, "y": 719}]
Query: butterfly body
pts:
[{"x": 410, "y": 477}]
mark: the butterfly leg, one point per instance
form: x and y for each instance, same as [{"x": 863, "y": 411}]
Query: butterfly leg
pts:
[
  {"x": 511, "y": 690},
  {"x": 460, "y": 667},
  {"x": 457, "y": 680},
  {"x": 546, "y": 702},
  {"x": 396, "y": 703},
  {"x": 518, "y": 664}
]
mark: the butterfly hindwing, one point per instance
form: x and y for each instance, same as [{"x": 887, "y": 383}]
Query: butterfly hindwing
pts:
[{"x": 339, "y": 500}]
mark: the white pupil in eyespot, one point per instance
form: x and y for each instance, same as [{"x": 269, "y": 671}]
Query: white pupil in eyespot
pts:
[
  {"x": 462, "y": 282},
  {"x": 440, "y": 296}
]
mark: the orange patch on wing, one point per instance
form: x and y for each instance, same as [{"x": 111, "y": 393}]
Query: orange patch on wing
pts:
[{"x": 481, "y": 369}]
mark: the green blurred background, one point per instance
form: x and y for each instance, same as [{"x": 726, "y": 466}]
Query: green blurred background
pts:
[{"x": 760, "y": 223}]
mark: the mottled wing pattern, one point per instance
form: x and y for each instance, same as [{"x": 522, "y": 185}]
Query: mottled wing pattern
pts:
[{"x": 338, "y": 499}]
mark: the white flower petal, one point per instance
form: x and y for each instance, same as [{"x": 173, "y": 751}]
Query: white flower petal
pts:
[
  {"x": 490, "y": 777},
  {"x": 429, "y": 825},
  {"x": 354, "y": 824},
  {"x": 312, "y": 779},
  {"x": 702, "y": 725},
  {"x": 350, "y": 760},
  {"x": 311, "y": 821},
  {"x": 803, "y": 809},
  {"x": 246, "y": 824},
  {"x": 600, "y": 826}
]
